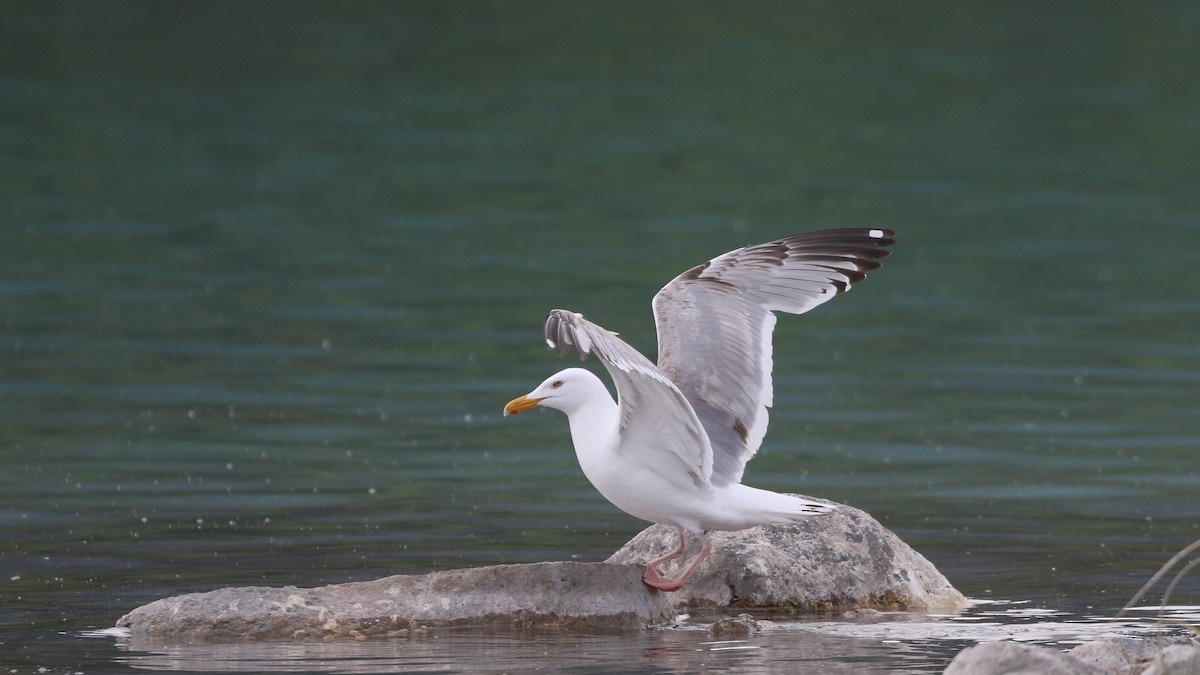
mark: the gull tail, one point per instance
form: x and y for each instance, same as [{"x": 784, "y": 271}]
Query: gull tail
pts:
[{"x": 764, "y": 507}]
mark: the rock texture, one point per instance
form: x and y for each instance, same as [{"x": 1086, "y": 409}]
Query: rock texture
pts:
[
  {"x": 740, "y": 626},
  {"x": 998, "y": 658},
  {"x": 1111, "y": 656},
  {"x": 552, "y": 595},
  {"x": 1114, "y": 655},
  {"x": 1182, "y": 659},
  {"x": 826, "y": 564}
]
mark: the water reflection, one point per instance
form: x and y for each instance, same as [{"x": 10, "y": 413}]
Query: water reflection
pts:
[
  {"x": 658, "y": 651},
  {"x": 868, "y": 642}
]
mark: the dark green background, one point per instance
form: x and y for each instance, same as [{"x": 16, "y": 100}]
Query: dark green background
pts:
[{"x": 268, "y": 272}]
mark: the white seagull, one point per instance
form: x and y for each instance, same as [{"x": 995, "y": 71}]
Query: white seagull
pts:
[{"x": 672, "y": 449}]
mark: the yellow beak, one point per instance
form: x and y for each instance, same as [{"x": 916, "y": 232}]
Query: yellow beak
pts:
[{"x": 520, "y": 404}]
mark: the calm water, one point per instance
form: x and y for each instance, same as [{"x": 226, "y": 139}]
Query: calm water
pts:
[{"x": 268, "y": 273}]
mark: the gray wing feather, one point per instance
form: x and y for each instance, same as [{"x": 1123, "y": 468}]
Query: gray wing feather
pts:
[
  {"x": 658, "y": 426},
  {"x": 715, "y": 322}
]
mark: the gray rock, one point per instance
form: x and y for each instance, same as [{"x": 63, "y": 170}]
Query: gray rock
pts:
[
  {"x": 552, "y": 594},
  {"x": 826, "y": 564},
  {"x": 740, "y": 626},
  {"x": 1180, "y": 659},
  {"x": 1111, "y": 656},
  {"x": 1013, "y": 658}
]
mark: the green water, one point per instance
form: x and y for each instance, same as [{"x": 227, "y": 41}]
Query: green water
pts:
[{"x": 268, "y": 272}]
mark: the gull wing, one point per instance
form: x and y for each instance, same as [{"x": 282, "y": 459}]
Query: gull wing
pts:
[
  {"x": 658, "y": 426},
  {"x": 715, "y": 322}
]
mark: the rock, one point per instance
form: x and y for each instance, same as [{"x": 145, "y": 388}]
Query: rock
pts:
[
  {"x": 825, "y": 564},
  {"x": 1013, "y": 658},
  {"x": 740, "y": 626},
  {"x": 567, "y": 595},
  {"x": 1114, "y": 655},
  {"x": 1121, "y": 655},
  {"x": 828, "y": 564},
  {"x": 1181, "y": 659},
  {"x": 1111, "y": 656}
]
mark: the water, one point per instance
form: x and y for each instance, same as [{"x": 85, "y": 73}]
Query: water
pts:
[{"x": 268, "y": 273}]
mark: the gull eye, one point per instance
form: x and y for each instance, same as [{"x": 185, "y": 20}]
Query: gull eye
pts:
[{"x": 556, "y": 384}]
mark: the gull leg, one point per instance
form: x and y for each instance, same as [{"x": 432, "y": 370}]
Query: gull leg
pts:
[
  {"x": 653, "y": 578},
  {"x": 673, "y": 554}
]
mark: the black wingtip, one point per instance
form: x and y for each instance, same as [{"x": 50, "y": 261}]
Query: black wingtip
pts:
[
  {"x": 866, "y": 238},
  {"x": 867, "y": 246}
]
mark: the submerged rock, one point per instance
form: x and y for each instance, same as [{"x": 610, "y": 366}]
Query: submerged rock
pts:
[
  {"x": 588, "y": 596},
  {"x": 826, "y": 564},
  {"x": 740, "y": 626}
]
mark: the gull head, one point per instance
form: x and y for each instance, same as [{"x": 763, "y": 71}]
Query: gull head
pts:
[{"x": 567, "y": 390}]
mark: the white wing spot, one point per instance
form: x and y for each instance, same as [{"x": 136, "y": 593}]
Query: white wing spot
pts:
[
  {"x": 550, "y": 344},
  {"x": 876, "y": 234}
]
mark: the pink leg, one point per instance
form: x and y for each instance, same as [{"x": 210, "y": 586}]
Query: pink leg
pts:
[
  {"x": 673, "y": 554},
  {"x": 653, "y": 578}
]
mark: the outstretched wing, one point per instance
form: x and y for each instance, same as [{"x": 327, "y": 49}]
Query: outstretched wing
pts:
[
  {"x": 658, "y": 426},
  {"x": 714, "y": 327}
]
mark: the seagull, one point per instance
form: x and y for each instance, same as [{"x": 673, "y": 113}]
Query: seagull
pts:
[{"x": 672, "y": 448}]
